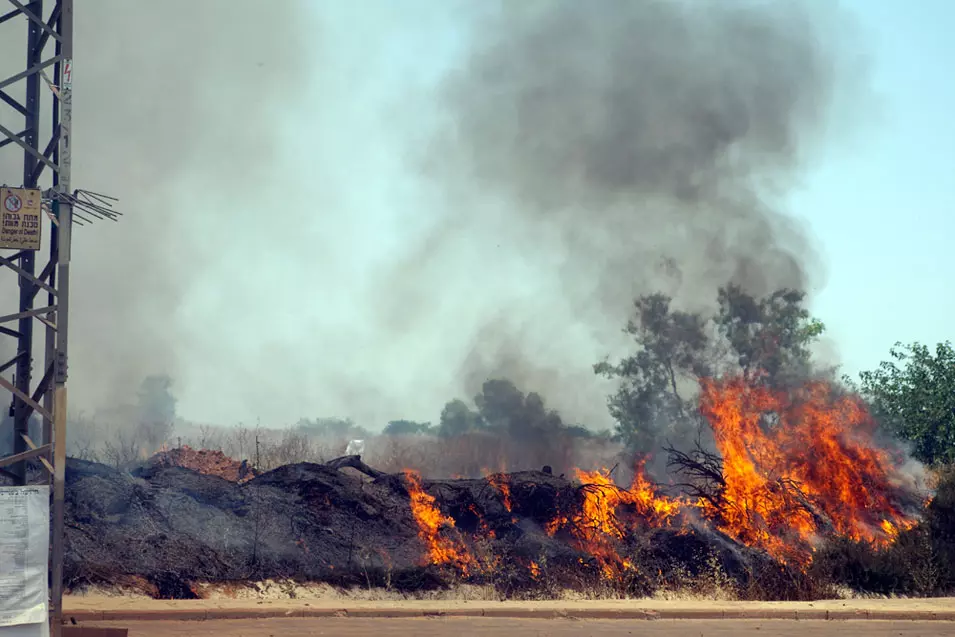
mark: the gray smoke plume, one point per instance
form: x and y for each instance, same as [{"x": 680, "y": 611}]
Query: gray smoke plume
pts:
[
  {"x": 180, "y": 124},
  {"x": 240, "y": 138},
  {"x": 175, "y": 111},
  {"x": 284, "y": 255},
  {"x": 626, "y": 147},
  {"x": 227, "y": 129}
]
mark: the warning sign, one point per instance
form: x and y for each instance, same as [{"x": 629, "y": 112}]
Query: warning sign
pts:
[{"x": 20, "y": 218}]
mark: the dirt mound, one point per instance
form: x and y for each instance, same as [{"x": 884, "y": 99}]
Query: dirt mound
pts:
[{"x": 212, "y": 463}]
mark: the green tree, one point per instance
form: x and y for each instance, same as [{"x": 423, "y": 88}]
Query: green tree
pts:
[
  {"x": 536, "y": 423},
  {"x": 500, "y": 403},
  {"x": 767, "y": 337},
  {"x": 650, "y": 403},
  {"x": 770, "y": 336},
  {"x": 524, "y": 418},
  {"x": 913, "y": 396}
]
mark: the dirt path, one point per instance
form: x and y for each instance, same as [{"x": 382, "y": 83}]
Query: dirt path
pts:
[{"x": 480, "y": 627}]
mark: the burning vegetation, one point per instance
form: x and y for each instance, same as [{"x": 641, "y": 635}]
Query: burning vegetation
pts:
[
  {"x": 738, "y": 462},
  {"x": 792, "y": 476},
  {"x": 441, "y": 548},
  {"x": 781, "y": 487},
  {"x": 760, "y": 483},
  {"x": 814, "y": 472}
]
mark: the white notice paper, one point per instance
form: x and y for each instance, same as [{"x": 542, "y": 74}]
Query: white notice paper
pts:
[{"x": 24, "y": 558}]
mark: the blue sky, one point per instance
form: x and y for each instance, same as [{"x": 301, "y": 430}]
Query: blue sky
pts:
[{"x": 882, "y": 207}]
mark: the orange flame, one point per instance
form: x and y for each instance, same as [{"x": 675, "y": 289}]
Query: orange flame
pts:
[
  {"x": 430, "y": 521},
  {"x": 603, "y": 498},
  {"x": 599, "y": 522},
  {"x": 500, "y": 482},
  {"x": 658, "y": 510},
  {"x": 816, "y": 467},
  {"x": 795, "y": 467}
]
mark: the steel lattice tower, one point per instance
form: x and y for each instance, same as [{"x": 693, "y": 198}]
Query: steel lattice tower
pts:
[{"x": 46, "y": 84}]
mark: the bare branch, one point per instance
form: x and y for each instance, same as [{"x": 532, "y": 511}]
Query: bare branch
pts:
[{"x": 355, "y": 463}]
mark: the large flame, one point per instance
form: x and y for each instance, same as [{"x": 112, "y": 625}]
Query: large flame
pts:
[
  {"x": 796, "y": 467},
  {"x": 430, "y": 521},
  {"x": 604, "y": 501},
  {"x": 608, "y": 513},
  {"x": 815, "y": 470}
]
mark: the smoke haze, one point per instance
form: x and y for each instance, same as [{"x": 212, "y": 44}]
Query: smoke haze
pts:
[
  {"x": 322, "y": 219},
  {"x": 622, "y": 148}
]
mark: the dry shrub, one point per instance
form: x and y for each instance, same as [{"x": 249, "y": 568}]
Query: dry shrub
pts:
[
  {"x": 767, "y": 580},
  {"x": 921, "y": 562},
  {"x": 863, "y": 569},
  {"x": 393, "y": 454},
  {"x": 477, "y": 453}
]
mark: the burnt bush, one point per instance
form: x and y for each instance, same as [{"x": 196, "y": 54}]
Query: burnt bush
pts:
[
  {"x": 167, "y": 529},
  {"x": 907, "y": 567},
  {"x": 941, "y": 522},
  {"x": 768, "y": 580},
  {"x": 921, "y": 562}
]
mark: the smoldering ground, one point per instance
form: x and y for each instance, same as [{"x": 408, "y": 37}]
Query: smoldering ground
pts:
[{"x": 293, "y": 248}]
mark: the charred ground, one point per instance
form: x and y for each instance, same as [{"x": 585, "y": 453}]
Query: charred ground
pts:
[{"x": 166, "y": 529}]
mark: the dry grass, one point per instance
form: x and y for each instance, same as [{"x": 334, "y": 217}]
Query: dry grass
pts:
[
  {"x": 469, "y": 455},
  {"x": 478, "y": 454},
  {"x": 288, "y": 589}
]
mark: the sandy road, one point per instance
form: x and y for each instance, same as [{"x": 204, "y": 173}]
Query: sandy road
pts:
[{"x": 480, "y": 627}]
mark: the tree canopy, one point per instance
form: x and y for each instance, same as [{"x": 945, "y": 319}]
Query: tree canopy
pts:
[
  {"x": 335, "y": 428},
  {"x": 501, "y": 407},
  {"x": 767, "y": 339},
  {"x": 913, "y": 397},
  {"x": 406, "y": 428},
  {"x": 457, "y": 419}
]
